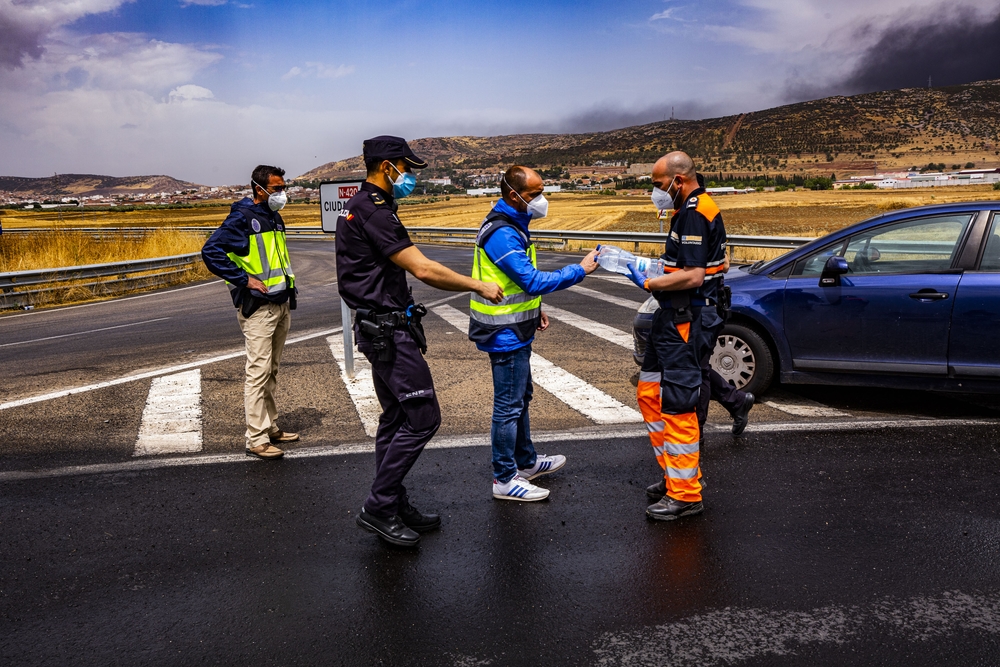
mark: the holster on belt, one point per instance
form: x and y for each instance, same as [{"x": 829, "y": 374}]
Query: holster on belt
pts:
[
  {"x": 248, "y": 303},
  {"x": 681, "y": 304},
  {"x": 379, "y": 328},
  {"x": 724, "y": 306}
]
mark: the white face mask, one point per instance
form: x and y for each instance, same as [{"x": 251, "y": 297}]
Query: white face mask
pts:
[
  {"x": 277, "y": 201},
  {"x": 662, "y": 200},
  {"x": 538, "y": 207}
]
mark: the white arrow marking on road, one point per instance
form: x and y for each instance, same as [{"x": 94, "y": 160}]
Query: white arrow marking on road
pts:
[
  {"x": 610, "y": 334},
  {"x": 583, "y": 397},
  {"x": 171, "y": 421},
  {"x": 360, "y": 387}
]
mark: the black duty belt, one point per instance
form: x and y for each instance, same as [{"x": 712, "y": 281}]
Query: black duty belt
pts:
[{"x": 379, "y": 327}]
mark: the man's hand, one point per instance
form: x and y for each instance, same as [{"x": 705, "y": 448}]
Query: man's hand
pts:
[
  {"x": 490, "y": 291},
  {"x": 636, "y": 277},
  {"x": 253, "y": 283},
  {"x": 589, "y": 263},
  {"x": 544, "y": 324}
]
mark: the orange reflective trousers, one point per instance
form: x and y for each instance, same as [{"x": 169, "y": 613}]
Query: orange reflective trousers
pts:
[{"x": 668, "y": 389}]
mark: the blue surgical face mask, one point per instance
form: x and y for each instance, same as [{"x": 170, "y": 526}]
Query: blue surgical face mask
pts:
[{"x": 403, "y": 185}]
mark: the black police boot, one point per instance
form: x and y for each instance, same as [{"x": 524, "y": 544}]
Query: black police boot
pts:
[
  {"x": 742, "y": 416},
  {"x": 391, "y": 529},
  {"x": 417, "y": 521},
  {"x": 658, "y": 490},
  {"x": 669, "y": 509}
]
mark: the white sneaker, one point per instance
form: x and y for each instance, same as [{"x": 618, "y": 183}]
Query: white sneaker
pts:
[
  {"x": 543, "y": 466},
  {"x": 519, "y": 489}
]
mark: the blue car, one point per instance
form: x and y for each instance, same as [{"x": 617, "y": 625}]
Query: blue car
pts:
[{"x": 908, "y": 299}]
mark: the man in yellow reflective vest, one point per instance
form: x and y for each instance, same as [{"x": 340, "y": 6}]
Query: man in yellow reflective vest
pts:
[
  {"x": 505, "y": 255},
  {"x": 248, "y": 251}
]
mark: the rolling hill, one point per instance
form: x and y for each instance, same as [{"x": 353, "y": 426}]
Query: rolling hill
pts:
[
  {"x": 87, "y": 185},
  {"x": 896, "y": 129}
]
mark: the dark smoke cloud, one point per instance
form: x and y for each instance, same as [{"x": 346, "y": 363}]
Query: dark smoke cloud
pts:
[
  {"x": 17, "y": 43},
  {"x": 955, "y": 48},
  {"x": 607, "y": 118}
]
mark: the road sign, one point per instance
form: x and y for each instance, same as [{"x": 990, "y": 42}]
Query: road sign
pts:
[{"x": 333, "y": 198}]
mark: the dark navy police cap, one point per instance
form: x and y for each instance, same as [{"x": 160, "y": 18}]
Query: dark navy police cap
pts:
[{"x": 391, "y": 148}]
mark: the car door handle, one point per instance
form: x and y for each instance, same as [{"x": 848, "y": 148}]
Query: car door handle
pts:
[{"x": 929, "y": 295}]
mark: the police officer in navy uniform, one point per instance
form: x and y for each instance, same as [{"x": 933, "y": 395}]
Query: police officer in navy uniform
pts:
[{"x": 374, "y": 253}]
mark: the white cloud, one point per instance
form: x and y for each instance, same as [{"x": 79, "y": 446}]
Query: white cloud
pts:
[
  {"x": 319, "y": 71},
  {"x": 190, "y": 92},
  {"x": 665, "y": 14}
]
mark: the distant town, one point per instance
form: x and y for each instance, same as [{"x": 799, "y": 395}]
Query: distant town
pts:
[{"x": 602, "y": 177}]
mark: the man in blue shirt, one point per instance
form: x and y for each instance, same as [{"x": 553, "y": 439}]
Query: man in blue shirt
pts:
[{"x": 506, "y": 256}]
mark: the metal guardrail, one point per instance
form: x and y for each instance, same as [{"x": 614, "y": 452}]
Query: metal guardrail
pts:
[
  {"x": 462, "y": 234},
  {"x": 11, "y": 296},
  {"x": 166, "y": 267}
]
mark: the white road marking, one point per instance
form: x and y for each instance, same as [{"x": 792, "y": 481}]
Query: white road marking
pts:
[
  {"x": 583, "y": 397},
  {"x": 167, "y": 370},
  {"x": 612, "y": 277},
  {"x": 36, "y": 313},
  {"x": 81, "y": 333},
  {"x": 610, "y": 334},
  {"x": 600, "y": 433},
  {"x": 171, "y": 421},
  {"x": 804, "y": 407},
  {"x": 360, "y": 387},
  {"x": 610, "y": 298}
]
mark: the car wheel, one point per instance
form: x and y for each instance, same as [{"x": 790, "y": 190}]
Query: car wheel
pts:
[{"x": 743, "y": 358}]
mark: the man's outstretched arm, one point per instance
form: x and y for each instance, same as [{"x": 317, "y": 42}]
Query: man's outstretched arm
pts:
[{"x": 440, "y": 276}]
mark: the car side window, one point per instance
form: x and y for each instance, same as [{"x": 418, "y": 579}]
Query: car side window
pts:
[
  {"x": 924, "y": 245},
  {"x": 991, "y": 254},
  {"x": 812, "y": 265}
]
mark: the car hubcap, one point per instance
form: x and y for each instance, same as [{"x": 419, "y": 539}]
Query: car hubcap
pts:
[{"x": 734, "y": 361}]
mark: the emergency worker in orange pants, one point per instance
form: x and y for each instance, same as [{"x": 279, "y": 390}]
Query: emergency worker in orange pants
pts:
[{"x": 670, "y": 380}]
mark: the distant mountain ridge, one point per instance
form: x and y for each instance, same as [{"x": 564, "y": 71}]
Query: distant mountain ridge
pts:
[
  {"x": 893, "y": 129},
  {"x": 88, "y": 185}
]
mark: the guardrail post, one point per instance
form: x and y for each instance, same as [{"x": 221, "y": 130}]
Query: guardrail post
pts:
[{"x": 345, "y": 318}]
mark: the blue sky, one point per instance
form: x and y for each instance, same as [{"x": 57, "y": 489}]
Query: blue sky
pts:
[{"x": 205, "y": 89}]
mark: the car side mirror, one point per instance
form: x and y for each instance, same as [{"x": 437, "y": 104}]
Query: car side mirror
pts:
[{"x": 832, "y": 270}]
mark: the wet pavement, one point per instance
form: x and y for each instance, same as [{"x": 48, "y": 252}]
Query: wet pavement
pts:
[{"x": 816, "y": 547}]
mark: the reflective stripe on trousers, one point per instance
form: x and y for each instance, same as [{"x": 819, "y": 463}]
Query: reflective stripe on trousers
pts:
[{"x": 674, "y": 438}]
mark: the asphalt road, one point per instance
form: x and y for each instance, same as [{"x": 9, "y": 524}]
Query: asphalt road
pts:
[
  {"x": 847, "y": 527},
  {"x": 869, "y": 548}
]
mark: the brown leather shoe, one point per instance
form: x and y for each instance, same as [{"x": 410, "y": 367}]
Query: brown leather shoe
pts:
[
  {"x": 265, "y": 452},
  {"x": 282, "y": 436}
]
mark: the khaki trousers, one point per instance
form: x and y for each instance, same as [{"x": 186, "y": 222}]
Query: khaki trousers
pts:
[{"x": 265, "y": 332}]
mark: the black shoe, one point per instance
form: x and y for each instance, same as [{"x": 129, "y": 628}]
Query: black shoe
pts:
[
  {"x": 391, "y": 529},
  {"x": 658, "y": 490},
  {"x": 669, "y": 509},
  {"x": 742, "y": 416},
  {"x": 414, "y": 520}
]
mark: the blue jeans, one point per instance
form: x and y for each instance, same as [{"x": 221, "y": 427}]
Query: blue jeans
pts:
[{"x": 510, "y": 433}]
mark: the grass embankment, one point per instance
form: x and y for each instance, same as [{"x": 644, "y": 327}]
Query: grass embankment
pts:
[{"x": 58, "y": 249}]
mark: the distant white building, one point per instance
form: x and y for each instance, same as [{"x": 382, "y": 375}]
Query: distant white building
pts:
[
  {"x": 475, "y": 192},
  {"x": 439, "y": 181}
]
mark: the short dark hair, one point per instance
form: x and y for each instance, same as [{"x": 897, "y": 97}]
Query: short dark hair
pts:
[
  {"x": 515, "y": 178},
  {"x": 372, "y": 164},
  {"x": 262, "y": 175}
]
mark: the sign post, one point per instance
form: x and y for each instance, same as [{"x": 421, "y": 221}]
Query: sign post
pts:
[{"x": 333, "y": 198}]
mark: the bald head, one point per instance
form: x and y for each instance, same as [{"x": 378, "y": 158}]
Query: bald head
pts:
[
  {"x": 675, "y": 172},
  {"x": 520, "y": 185}
]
